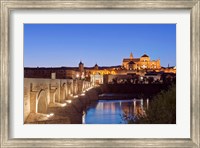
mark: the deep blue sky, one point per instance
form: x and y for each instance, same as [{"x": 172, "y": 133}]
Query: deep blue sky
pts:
[{"x": 55, "y": 45}]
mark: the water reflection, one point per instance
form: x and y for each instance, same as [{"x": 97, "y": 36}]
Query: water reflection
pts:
[{"x": 114, "y": 111}]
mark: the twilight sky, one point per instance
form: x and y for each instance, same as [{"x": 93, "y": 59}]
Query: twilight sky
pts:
[{"x": 56, "y": 45}]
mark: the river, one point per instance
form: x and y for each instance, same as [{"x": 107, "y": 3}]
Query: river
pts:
[{"x": 114, "y": 111}]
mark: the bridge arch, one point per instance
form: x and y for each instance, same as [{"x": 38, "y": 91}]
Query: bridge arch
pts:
[
  {"x": 57, "y": 95},
  {"x": 42, "y": 104}
]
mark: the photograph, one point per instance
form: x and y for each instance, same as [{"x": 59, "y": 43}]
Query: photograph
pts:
[{"x": 99, "y": 73}]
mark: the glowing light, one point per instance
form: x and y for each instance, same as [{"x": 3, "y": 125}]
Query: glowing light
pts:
[
  {"x": 141, "y": 102},
  {"x": 89, "y": 88},
  {"x": 77, "y": 75},
  {"x": 82, "y": 94},
  {"x": 69, "y": 101},
  {"x": 71, "y": 95},
  {"x": 83, "y": 118},
  {"x": 76, "y": 96},
  {"x": 147, "y": 103},
  {"x": 48, "y": 115},
  {"x": 63, "y": 105},
  {"x": 51, "y": 114}
]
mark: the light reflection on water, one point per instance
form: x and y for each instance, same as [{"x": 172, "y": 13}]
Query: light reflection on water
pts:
[{"x": 112, "y": 111}]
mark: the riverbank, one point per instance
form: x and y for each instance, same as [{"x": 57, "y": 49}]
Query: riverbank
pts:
[
  {"x": 134, "y": 90},
  {"x": 111, "y": 96}
]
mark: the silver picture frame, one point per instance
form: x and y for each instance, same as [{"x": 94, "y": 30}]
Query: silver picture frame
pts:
[{"x": 7, "y": 6}]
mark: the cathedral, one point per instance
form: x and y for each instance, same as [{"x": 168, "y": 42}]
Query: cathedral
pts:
[{"x": 141, "y": 63}]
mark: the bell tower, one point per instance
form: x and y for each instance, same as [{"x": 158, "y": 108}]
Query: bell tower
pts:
[
  {"x": 96, "y": 67},
  {"x": 81, "y": 67},
  {"x": 131, "y": 55}
]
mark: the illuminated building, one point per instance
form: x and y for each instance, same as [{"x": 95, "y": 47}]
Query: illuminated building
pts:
[
  {"x": 98, "y": 74},
  {"x": 143, "y": 62}
]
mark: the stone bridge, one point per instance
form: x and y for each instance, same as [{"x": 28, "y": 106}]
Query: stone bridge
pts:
[{"x": 40, "y": 95}]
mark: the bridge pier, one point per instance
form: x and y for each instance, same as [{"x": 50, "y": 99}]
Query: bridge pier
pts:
[{"x": 52, "y": 95}]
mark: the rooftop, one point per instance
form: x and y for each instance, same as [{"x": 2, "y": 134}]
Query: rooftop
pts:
[{"x": 145, "y": 55}]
